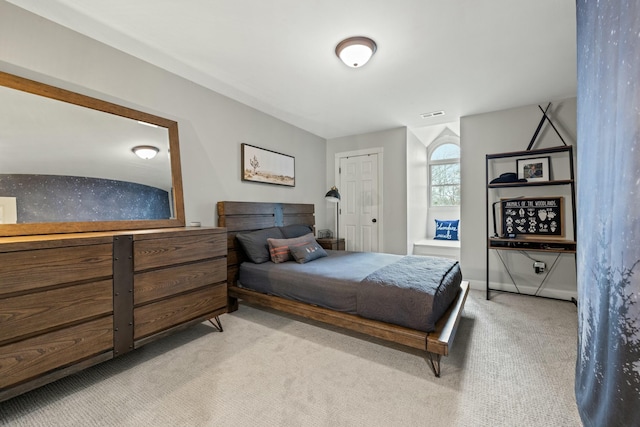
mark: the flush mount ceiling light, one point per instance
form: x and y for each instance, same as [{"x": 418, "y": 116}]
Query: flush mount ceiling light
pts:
[
  {"x": 356, "y": 51},
  {"x": 145, "y": 152}
]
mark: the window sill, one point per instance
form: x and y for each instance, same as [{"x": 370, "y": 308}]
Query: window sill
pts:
[
  {"x": 438, "y": 243},
  {"x": 442, "y": 248}
]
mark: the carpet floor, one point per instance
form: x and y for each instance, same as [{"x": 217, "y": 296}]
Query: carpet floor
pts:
[{"x": 512, "y": 364}]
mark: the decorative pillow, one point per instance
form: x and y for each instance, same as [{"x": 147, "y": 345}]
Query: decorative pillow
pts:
[
  {"x": 307, "y": 252},
  {"x": 295, "y": 230},
  {"x": 279, "y": 248},
  {"x": 447, "y": 229},
  {"x": 255, "y": 244}
]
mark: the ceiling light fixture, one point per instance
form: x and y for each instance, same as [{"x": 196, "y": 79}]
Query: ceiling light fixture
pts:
[
  {"x": 145, "y": 152},
  {"x": 356, "y": 51}
]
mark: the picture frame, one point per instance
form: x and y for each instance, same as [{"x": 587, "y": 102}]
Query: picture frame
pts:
[
  {"x": 533, "y": 217},
  {"x": 267, "y": 167},
  {"x": 534, "y": 169}
]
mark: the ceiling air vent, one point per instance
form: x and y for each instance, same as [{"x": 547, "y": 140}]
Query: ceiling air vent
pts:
[{"x": 432, "y": 114}]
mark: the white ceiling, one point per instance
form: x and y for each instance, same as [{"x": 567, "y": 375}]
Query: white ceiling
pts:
[{"x": 461, "y": 56}]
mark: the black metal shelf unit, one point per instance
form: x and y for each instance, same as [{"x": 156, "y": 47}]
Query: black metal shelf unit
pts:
[{"x": 528, "y": 243}]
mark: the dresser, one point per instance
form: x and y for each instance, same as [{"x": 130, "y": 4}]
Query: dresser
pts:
[{"x": 70, "y": 301}]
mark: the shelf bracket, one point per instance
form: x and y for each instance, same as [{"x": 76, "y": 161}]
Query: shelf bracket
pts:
[{"x": 542, "y": 120}]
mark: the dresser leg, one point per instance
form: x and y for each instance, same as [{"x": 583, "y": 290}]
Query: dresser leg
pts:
[{"x": 216, "y": 323}]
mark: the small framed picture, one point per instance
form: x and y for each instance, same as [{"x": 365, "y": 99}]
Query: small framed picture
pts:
[{"x": 534, "y": 169}]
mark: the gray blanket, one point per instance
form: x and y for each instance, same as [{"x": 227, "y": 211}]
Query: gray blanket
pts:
[{"x": 414, "y": 291}]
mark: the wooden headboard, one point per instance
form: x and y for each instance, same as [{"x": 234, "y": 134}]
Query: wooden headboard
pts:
[{"x": 248, "y": 216}]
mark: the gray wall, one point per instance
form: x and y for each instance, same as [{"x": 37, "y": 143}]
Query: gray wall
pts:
[
  {"x": 212, "y": 127},
  {"x": 417, "y": 191},
  {"x": 505, "y": 131},
  {"x": 394, "y": 144}
]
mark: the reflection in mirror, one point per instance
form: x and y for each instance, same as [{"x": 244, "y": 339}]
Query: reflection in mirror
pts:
[{"x": 67, "y": 164}]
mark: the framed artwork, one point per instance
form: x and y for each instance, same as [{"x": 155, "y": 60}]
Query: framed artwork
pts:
[
  {"x": 533, "y": 217},
  {"x": 534, "y": 169},
  {"x": 266, "y": 166}
]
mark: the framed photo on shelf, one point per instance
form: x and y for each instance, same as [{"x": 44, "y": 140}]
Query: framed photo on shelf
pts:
[
  {"x": 266, "y": 166},
  {"x": 533, "y": 217},
  {"x": 535, "y": 169}
]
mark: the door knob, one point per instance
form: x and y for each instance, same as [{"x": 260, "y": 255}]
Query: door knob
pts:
[{"x": 374, "y": 220}]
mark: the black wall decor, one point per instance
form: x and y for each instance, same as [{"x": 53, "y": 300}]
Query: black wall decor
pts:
[{"x": 539, "y": 216}]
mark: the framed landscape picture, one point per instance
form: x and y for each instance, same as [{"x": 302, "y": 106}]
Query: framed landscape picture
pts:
[{"x": 266, "y": 166}]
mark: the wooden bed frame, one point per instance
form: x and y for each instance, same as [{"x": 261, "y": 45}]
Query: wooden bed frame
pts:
[{"x": 249, "y": 216}]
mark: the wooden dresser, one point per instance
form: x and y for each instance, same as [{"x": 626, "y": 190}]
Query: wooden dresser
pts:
[{"x": 70, "y": 301}]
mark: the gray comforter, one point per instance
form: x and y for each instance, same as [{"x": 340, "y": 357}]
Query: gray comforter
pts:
[{"x": 410, "y": 291}]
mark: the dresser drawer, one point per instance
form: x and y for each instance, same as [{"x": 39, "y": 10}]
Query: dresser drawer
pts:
[
  {"x": 26, "y": 270},
  {"x": 40, "y": 311},
  {"x": 161, "y": 315},
  {"x": 161, "y": 252},
  {"x": 156, "y": 284},
  {"x": 29, "y": 358}
]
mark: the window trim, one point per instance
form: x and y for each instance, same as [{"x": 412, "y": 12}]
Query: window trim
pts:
[{"x": 438, "y": 142}]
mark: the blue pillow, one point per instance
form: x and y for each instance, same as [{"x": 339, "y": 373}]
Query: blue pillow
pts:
[
  {"x": 295, "y": 230},
  {"x": 446, "y": 229}
]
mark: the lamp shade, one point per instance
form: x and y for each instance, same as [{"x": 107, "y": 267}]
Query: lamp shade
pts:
[
  {"x": 145, "y": 152},
  {"x": 333, "y": 195},
  {"x": 356, "y": 51}
]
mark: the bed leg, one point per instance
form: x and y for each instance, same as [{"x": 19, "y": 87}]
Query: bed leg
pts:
[
  {"x": 216, "y": 324},
  {"x": 434, "y": 360}
]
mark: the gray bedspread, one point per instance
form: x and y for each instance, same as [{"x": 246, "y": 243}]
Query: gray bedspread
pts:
[
  {"x": 329, "y": 282},
  {"x": 411, "y": 292},
  {"x": 342, "y": 282}
]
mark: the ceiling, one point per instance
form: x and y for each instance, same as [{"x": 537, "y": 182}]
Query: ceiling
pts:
[{"x": 461, "y": 56}]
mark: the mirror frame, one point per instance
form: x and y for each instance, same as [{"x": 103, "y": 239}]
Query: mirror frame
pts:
[{"x": 42, "y": 89}]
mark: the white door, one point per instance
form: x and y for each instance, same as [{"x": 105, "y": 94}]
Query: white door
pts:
[{"x": 360, "y": 202}]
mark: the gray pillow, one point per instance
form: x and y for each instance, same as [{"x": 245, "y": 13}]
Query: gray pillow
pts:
[
  {"x": 295, "y": 230},
  {"x": 254, "y": 243},
  {"x": 307, "y": 252}
]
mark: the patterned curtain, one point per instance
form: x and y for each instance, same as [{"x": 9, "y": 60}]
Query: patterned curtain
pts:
[{"x": 608, "y": 365}]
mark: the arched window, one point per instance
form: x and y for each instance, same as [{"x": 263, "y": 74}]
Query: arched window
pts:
[{"x": 444, "y": 175}]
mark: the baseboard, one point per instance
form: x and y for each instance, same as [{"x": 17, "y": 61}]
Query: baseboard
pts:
[{"x": 529, "y": 290}]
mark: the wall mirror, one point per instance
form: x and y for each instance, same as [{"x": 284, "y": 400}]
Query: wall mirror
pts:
[{"x": 67, "y": 163}]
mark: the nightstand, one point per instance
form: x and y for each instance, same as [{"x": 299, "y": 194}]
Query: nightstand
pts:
[{"x": 331, "y": 244}]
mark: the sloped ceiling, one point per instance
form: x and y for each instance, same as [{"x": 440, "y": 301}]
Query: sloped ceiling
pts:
[{"x": 461, "y": 56}]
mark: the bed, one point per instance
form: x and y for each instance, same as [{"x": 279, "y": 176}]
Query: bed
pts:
[{"x": 354, "y": 298}]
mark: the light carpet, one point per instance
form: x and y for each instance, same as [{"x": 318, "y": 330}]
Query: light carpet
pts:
[{"x": 512, "y": 364}]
